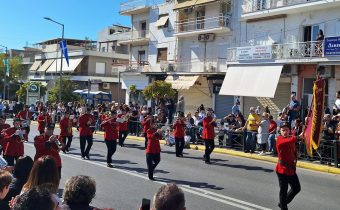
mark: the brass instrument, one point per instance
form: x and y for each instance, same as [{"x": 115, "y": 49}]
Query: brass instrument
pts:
[{"x": 54, "y": 139}]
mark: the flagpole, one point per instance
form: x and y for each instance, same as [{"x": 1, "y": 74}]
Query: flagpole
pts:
[{"x": 5, "y": 66}]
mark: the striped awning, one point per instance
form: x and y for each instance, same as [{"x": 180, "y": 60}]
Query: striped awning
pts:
[{"x": 189, "y": 3}]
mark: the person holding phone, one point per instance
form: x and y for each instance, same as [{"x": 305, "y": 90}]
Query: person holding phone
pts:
[
  {"x": 14, "y": 138},
  {"x": 153, "y": 149}
]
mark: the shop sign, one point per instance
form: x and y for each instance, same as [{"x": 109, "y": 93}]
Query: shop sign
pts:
[
  {"x": 254, "y": 52},
  {"x": 332, "y": 46}
]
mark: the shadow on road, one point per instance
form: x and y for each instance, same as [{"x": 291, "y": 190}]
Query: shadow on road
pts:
[
  {"x": 249, "y": 168},
  {"x": 91, "y": 154},
  {"x": 191, "y": 184}
]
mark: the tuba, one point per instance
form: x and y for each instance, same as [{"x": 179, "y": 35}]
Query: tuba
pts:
[{"x": 54, "y": 139}]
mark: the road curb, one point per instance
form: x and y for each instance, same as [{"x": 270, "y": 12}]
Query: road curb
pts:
[{"x": 300, "y": 164}]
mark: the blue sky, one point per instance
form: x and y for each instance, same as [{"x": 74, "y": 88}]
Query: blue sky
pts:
[{"x": 22, "y": 20}]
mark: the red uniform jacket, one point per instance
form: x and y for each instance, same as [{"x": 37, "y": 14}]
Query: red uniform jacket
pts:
[
  {"x": 153, "y": 146},
  {"x": 14, "y": 144},
  {"x": 24, "y": 115},
  {"x": 179, "y": 129},
  {"x": 286, "y": 152},
  {"x": 65, "y": 127},
  {"x": 84, "y": 128},
  {"x": 124, "y": 125},
  {"x": 110, "y": 128},
  {"x": 41, "y": 122},
  {"x": 41, "y": 150},
  {"x": 146, "y": 125},
  {"x": 2, "y": 139},
  {"x": 208, "y": 129}
]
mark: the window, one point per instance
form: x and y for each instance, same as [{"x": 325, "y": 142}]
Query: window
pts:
[
  {"x": 141, "y": 57},
  {"x": 100, "y": 68},
  {"x": 112, "y": 31},
  {"x": 162, "y": 54}
]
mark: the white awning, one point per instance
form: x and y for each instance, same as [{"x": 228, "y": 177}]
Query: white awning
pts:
[
  {"x": 35, "y": 65},
  {"x": 181, "y": 82},
  {"x": 162, "y": 21},
  {"x": 45, "y": 65},
  {"x": 74, "y": 62},
  {"x": 254, "y": 81},
  {"x": 140, "y": 81}
]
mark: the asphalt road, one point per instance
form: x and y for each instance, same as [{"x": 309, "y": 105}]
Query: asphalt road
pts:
[{"x": 228, "y": 183}]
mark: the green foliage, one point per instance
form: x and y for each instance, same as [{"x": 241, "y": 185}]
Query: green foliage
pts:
[
  {"x": 67, "y": 94},
  {"x": 22, "y": 92},
  {"x": 132, "y": 88},
  {"x": 16, "y": 72},
  {"x": 158, "y": 87}
]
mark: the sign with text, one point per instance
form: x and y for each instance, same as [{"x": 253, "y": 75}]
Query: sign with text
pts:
[
  {"x": 332, "y": 46},
  {"x": 254, "y": 52}
]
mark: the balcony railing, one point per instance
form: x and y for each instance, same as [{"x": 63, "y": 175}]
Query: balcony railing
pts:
[
  {"x": 202, "y": 23},
  {"x": 260, "y": 5},
  {"x": 131, "y": 67},
  {"x": 137, "y": 4},
  {"x": 209, "y": 66},
  {"x": 295, "y": 50}
]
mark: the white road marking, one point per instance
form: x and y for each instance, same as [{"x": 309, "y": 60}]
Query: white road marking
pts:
[{"x": 193, "y": 190}]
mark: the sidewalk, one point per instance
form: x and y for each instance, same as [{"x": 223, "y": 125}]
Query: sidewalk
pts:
[{"x": 300, "y": 164}]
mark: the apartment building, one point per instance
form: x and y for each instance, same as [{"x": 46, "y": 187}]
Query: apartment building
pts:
[
  {"x": 88, "y": 66},
  {"x": 182, "y": 42},
  {"x": 279, "y": 50}
]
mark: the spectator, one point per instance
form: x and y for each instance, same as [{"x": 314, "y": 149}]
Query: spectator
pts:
[
  {"x": 263, "y": 134},
  {"x": 38, "y": 197},
  {"x": 170, "y": 107},
  {"x": 44, "y": 171},
  {"x": 266, "y": 110},
  {"x": 235, "y": 110},
  {"x": 328, "y": 128},
  {"x": 336, "y": 107},
  {"x": 272, "y": 133},
  {"x": 79, "y": 192},
  {"x": 180, "y": 106},
  {"x": 258, "y": 110},
  {"x": 293, "y": 110},
  {"x": 21, "y": 172},
  {"x": 5, "y": 181},
  {"x": 169, "y": 197},
  {"x": 251, "y": 127}
]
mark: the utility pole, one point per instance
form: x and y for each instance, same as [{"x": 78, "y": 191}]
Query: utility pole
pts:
[{"x": 5, "y": 74}]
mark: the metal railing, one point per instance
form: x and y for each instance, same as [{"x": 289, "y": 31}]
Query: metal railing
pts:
[
  {"x": 142, "y": 66},
  {"x": 137, "y": 35},
  {"x": 137, "y": 4},
  {"x": 295, "y": 50},
  {"x": 260, "y": 5},
  {"x": 202, "y": 23},
  {"x": 210, "y": 65}
]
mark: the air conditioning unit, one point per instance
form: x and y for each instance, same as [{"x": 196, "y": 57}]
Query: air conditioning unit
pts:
[
  {"x": 326, "y": 71},
  {"x": 106, "y": 86},
  {"x": 206, "y": 37}
]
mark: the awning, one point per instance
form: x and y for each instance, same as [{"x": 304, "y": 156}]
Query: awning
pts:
[
  {"x": 45, "y": 65},
  {"x": 162, "y": 21},
  {"x": 140, "y": 81},
  {"x": 187, "y": 3},
  {"x": 254, "y": 81},
  {"x": 181, "y": 82},
  {"x": 74, "y": 62},
  {"x": 35, "y": 65}
]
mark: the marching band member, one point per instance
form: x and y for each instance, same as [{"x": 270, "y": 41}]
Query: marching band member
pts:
[
  {"x": 153, "y": 149},
  {"x": 109, "y": 126},
  {"x": 179, "y": 133},
  {"x": 48, "y": 144},
  {"x": 25, "y": 117},
  {"x": 66, "y": 124},
  {"x": 43, "y": 120},
  {"x": 3, "y": 126},
  {"x": 86, "y": 122},
  {"x": 14, "y": 138},
  {"x": 123, "y": 127},
  {"x": 208, "y": 135},
  {"x": 146, "y": 123}
]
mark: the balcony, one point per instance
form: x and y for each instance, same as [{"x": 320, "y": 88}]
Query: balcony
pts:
[
  {"x": 296, "y": 52},
  {"x": 253, "y": 9},
  {"x": 195, "y": 26},
  {"x": 195, "y": 66},
  {"x": 136, "y": 38},
  {"x": 137, "y": 6},
  {"x": 131, "y": 67}
]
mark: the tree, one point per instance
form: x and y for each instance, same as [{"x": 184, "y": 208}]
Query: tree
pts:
[
  {"x": 22, "y": 92},
  {"x": 16, "y": 68},
  {"x": 67, "y": 94},
  {"x": 158, "y": 87}
]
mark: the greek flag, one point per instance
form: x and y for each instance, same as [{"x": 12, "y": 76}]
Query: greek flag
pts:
[{"x": 63, "y": 48}]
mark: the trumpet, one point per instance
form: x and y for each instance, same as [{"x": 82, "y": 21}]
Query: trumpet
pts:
[{"x": 55, "y": 140}]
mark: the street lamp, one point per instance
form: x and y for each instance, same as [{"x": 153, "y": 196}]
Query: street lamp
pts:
[
  {"x": 4, "y": 92},
  {"x": 61, "y": 54}
]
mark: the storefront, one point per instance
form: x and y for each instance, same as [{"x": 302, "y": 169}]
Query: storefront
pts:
[{"x": 137, "y": 80}]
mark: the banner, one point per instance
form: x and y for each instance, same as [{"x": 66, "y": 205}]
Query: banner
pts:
[
  {"x": 7, "y": 67},
  {"x": 315, "y": 117},
  {"x": 64, "y": 50}
]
